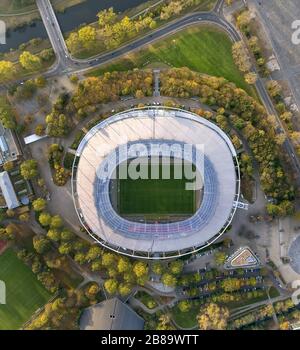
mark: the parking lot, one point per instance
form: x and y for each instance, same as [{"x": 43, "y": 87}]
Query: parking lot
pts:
[{"x": 277, "y": 17}]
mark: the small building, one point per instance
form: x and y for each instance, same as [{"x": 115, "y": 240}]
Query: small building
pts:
[
  {"x": 8, "y": 191},
  {"x": 242, "y": 258},
  {"x": 33, "y": 138},
  {"x": 9, "y": 149},
  {"x": 110, "y": 314}
]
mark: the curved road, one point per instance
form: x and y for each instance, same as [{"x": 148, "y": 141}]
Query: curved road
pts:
[{"x": 65, "y": 63}]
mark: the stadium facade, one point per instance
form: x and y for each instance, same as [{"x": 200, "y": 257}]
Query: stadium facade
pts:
[{"x": 119, "y": 138}]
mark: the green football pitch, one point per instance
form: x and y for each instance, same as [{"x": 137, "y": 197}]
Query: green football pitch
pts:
[
  {"x": 157, "y": 198},
  {"x": 24, "y": 293}
]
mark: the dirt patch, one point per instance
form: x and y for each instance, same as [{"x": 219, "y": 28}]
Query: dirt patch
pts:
[{"x": 3, "y": 246}]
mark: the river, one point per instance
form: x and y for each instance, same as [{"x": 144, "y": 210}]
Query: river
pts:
[{"x": 73, "y": 17}]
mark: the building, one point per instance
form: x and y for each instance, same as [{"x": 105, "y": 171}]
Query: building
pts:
[
  {"x": 9, "y": 150},
  {"x": 8, "y": 191},
  {"x": 110, "y": 314},
  {"x": 118, "y": 139}
]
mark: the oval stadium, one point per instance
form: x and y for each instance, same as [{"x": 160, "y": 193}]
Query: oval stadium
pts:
[{"x": 155, "y": 182}]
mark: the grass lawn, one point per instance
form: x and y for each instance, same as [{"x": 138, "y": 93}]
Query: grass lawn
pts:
[
  {"x": 146, "y": 299},
  {"x": 186, "y": 319},
  {"x": 16, "y": 6},
  {"x": 158, "y": 197},
  {"x": 24, "y": 293},
  {"x": 201, "y": 48},
  {"x": 273, "y": 292}
]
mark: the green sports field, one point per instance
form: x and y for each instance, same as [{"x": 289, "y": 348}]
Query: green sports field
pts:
[
  {"x": 24, "y": 293},
  {"x": 201, "y": 48},
  {"x": 159, "y": 198}
]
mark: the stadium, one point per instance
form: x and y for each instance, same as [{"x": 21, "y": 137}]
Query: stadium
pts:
[{"x": 154, "y": 213}]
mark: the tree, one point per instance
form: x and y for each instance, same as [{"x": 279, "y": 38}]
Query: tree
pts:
[
  {"x": 48, "y": 280},
  {"x": 54, "y": 235},
  {"x": 164, "y": 323},
  {"x": 111, "y": 286},
  {"x": 176, "y": 267},
  {"x": 184, "y": 305},
  {"x": 231, "y": 284},
  {"x": 24, "y": 217},
  {"x": 7, "y": 115},
  {"x": 56, "y": 221},
  {"x": 87, "y": 36},
  {"x": 241, "y": 56},
  {"x": 251, "y": 78},
  {"x": 29, "y": 61},
  {"x": 40, "y": 81},
  {"x": 45, "y": 219},
  {"x": 39, "y": 204},
  {"x": 7, "y": 234},
  {"x": 243, "y": 20},
  {"x": 124, "y": 265},
  {"x": 274, "y": 88},
  {"x": 8, "y": 166},
  {"x": 140, "y": 269},
  {"x": 40, "y": 130},
  {"x": 92, "y": 291},
  {"x": 29, "y": 169},
  {"x": 96, "y": 265},
  {"x": 65, "y": 248},
  {"x": 220, "y": 258},
  {"x": 67, "y": 236},
  {"x": 41, "y": 244},
  {"x": 169, "y": 280},
  {"x": 157, "y": 268},
  {"x": 213, "y": 317},
  {"x": 80, "y": 258},
  {"x": 108, "y": 259},
  {"x": 94, "y": 253},
  {"x": 7, "y": 70},
  {"x": 124, "y": 289},
  {"x": 172, "y": 8},
  {"x": 106, "y": 17}
]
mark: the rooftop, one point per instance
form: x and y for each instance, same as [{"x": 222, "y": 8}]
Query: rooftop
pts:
[
  {"x": 8, "y": 191},
  {"x": 110, "y": 314}
]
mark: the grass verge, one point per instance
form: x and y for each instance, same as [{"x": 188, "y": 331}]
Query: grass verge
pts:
[{"x": 24, "y": 293}]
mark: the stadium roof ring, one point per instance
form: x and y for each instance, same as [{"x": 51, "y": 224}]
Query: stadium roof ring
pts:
[{"x": 110, "y": 143}]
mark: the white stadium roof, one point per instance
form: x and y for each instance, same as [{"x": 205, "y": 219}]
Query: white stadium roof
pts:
[{"x": 148, "y": 125}]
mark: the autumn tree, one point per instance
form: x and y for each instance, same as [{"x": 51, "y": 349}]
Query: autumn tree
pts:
[
  {"x": 39, "y": 204},
  {"x": 251, "y": 78},
  {"x": 41, "y": 244},
  {"x": 30, "y": 61},
  {"x": 169, "y": 280},
  {"x": 273, "y": 87},
  {"x": 220, "y": 258},
  {"x": 87, "y": 36},
  {"x": 45, "y": 219},
  {"x": 29, "y": 169},
  {"x": 106, "y": 17},
  {"x": 213, "y": 317},
  {"x": 7, "y": 70},
  {"x": 111, "y": 286},
  {"x": 241, "y": 56}
]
